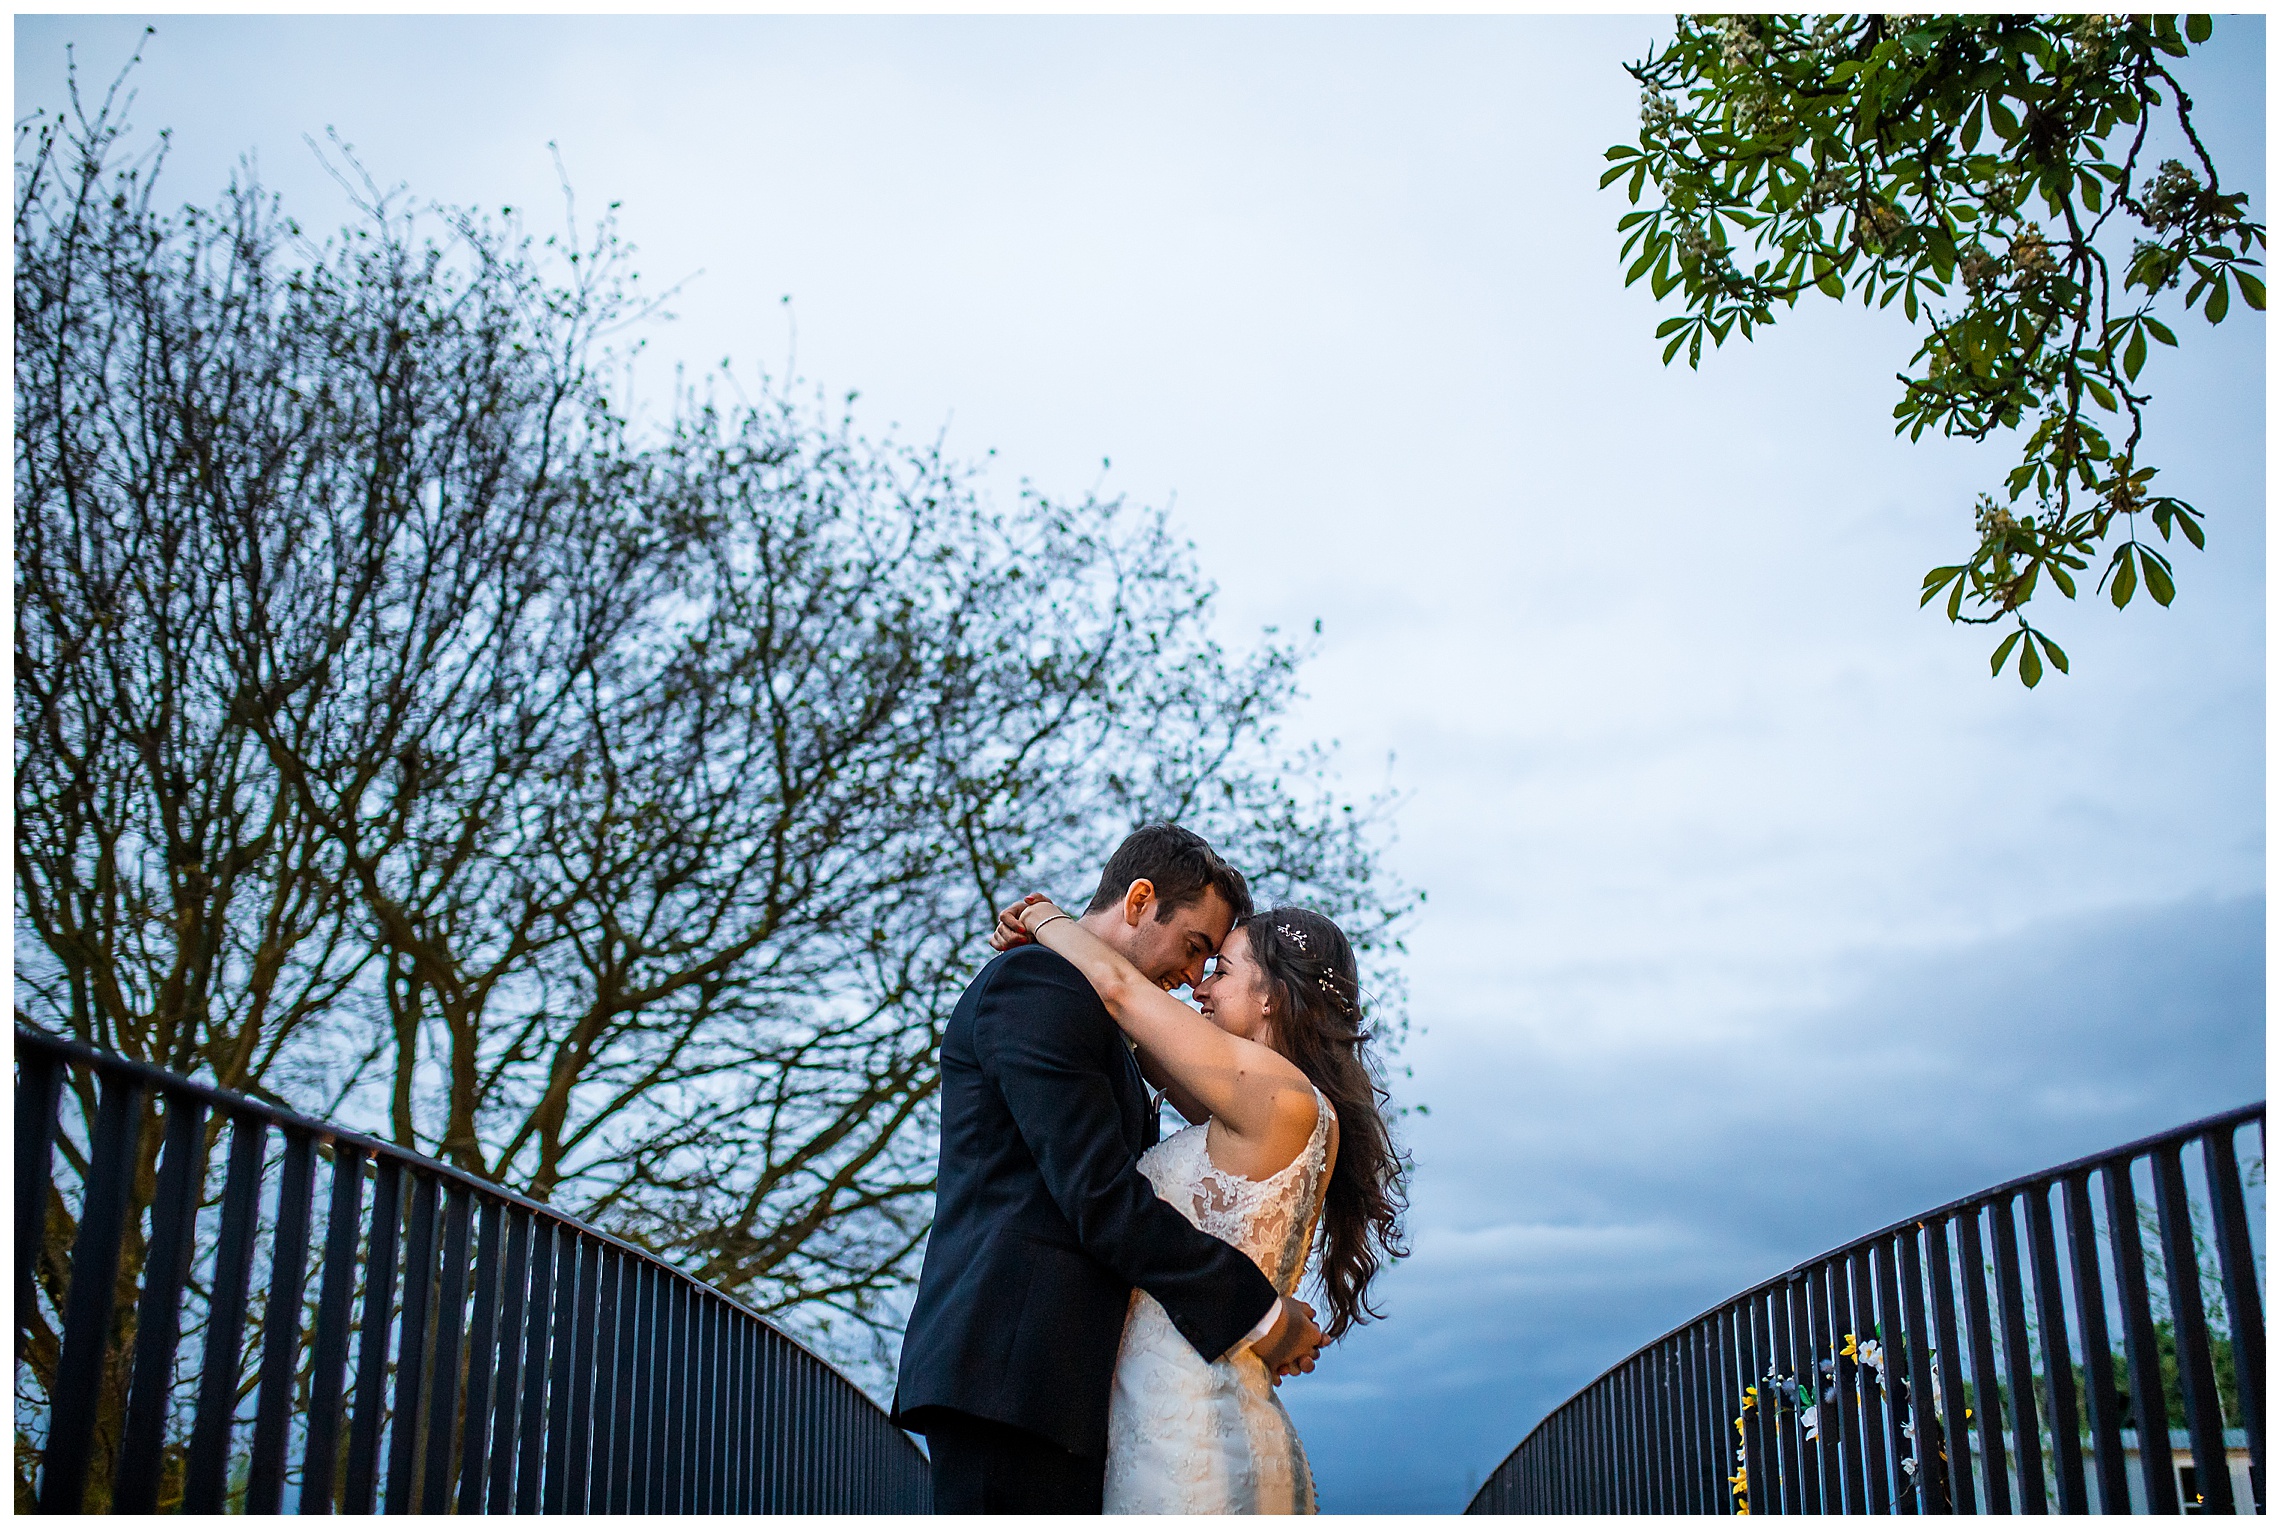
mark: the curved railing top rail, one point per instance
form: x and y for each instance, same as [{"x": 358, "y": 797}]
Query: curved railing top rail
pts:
[
  {"x": 1629, "y": 1440},
  {"x": 376, "y": 1147},
  {"x": 513, "y": 1357}
]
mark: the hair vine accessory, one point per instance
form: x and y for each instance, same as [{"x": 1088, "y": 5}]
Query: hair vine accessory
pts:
[{"x": 1295, "y": 936}]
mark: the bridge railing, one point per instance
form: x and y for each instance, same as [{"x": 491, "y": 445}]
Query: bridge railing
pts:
[
  {"x": 414, "y": 1339},
  {"x": 2086, "y": 1339}
]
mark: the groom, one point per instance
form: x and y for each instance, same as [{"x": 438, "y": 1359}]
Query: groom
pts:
[{"x": 1044, "y": 1223}]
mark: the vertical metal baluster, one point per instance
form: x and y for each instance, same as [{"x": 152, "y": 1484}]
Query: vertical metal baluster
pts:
[
  {"x": 607, "y": 1442},
  {"x": 733, "y": 1431},
  {"x": 372, "y": 1340},
  {"x": 1693, "y": 1424},
  {"x": 328, "y": 1362},
  {"x": 1923, "y": 1415},
  {"x": 778, "y": 1437},
  {"x": 1798, "y": 1300},
  {"x": 1829, "y": 1448},
  {"x": 2196, "y": 1375},
  {"x": 88, "y": 1302},
  {"x": 443, "y": 1374},
  {"x": 1785, "y": 1417},
  {"x": 1655, "y": 1452},
  {"x": 1679, "y": 1465},
  {"x": 579, "y": 1469},
  {"x": 1715, "y": 1423},
  {"x": 1891, "y": 1333},
  {"x": 530, "y": 1453},
  {"x": 2058, "y": 1360},
  {"x": 2018, "y": 1360},
  {"x": 2236, "y": 1261},
  {"x": 1955, "y": 1428},
  {"x": 673, "y": 1457},
  {"x": 507, "y": 1390},
  {"x": 482, "y": 1360},
  {"x": 404, "y": 1434},
  {"x": 1626, "y": 1441},
  {"x": 698, "y": 1400},
  {"x": 1764, "y": 1469},
  {"x": 562, "y": 1382},
  {"x": 710, "y": 1407},
  {"x": 1971, "y": 1267},
  {"x": 281, "y": 1328},
  {"x": 2102, "y": 1396},
  {"x": 1877, "y": 1490},
  {"x": 158, "y": 1318},
  {"x": 39, "y": 1095},
  {"x": 206, "y": 1480},
  {"x": 1727, "y": 1392},
  {"x": 641, "y": 1476}
]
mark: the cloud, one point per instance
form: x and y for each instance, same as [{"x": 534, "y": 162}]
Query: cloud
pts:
[{"x": 1574, "y": 1203}]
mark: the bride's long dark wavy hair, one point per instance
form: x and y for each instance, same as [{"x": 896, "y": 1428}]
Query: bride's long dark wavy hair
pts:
[{"x": 1316, "y": 1010}]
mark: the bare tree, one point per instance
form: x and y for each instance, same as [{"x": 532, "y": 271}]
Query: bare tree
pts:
[{"x": 403, "y": 736}]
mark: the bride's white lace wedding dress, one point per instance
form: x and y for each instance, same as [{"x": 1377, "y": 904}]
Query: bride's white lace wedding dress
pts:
[{"x": 1189, "y": 1437}]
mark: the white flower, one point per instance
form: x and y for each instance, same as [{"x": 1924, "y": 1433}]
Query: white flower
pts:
[
  {"x": 1872, "y": 1357},
  {"x": 1810, "y": 1418},
  {"x": 1909, "y": 1465}
]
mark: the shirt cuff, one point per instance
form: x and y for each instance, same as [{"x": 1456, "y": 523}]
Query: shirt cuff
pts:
[{"x": 1266, "y": 1325}]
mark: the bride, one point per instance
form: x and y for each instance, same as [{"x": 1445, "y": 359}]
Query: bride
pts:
[{"x": 1290, "y": 1151}]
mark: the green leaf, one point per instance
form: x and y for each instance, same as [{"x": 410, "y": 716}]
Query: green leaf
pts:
[
  {"x": 2197, "y": 28},
  {"x": 2125, "y": 577},
  {"x": 2054, "y": 653},
  {"x": 2251, "y": 289},
  {"x": 2030, "y": 667},
  {"x": 2157, "y": 582},
  {"x": 2000, "y": 115},
  {"x": 2133, "y": 356},
  {"x": 2160, "y": 331},
  {"x": 1670, "y": 327},
  {"x": 1971, "y": 127},
  {"x": 1610, "y": 177},
  {"x": 2220, "y": 302},
  {"x": 2003, "y": 651},
  {"x": 1621, "y": 151},
  {"x": 2063, "y": 580},
  {"x": 2103, "y": 394},
  {"x": 2190, "y": 526}
]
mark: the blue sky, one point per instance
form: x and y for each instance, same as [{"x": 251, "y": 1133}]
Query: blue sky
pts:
[{"x": 1759, "y": 916}]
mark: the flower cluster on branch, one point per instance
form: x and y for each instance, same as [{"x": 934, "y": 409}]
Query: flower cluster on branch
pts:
[{"x": 1970, "y": 169}]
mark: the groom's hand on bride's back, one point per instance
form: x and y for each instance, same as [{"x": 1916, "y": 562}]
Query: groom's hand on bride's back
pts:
[{"x": 1291, "y": 1346}]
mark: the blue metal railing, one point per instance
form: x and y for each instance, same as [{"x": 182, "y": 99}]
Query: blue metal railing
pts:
[
  {"x": 506, "y": 1357},
  {"x": 1962, "y": 1361}
]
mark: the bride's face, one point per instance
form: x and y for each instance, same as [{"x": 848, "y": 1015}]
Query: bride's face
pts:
[{"x": 1235, "y": 996}]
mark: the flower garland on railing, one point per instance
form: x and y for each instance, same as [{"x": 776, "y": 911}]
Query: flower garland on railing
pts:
[{"x": 1805, "y": 1402}]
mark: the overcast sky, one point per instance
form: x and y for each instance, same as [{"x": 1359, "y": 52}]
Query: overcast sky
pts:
[{"x": 1760, "y": 916}]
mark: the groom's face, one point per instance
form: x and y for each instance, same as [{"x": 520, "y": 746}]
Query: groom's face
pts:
[{"x": 1171, "y": 951}]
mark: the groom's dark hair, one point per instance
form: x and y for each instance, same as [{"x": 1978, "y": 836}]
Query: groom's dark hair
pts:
[{"x": 1181, "y": 866}]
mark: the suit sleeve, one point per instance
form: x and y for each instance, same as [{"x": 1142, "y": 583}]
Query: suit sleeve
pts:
[{"x": 1038, "y": 1037}]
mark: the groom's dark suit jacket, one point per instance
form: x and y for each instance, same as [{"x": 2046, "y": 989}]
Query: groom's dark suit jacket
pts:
[{"x": 1043, "y": 1221}]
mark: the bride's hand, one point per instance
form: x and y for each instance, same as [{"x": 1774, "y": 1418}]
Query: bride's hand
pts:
[{"x": 1010, "y": 931}]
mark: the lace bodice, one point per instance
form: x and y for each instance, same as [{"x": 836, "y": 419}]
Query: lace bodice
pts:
[
  {"x": 1272, "y": 1219},
  {"x": 1188, "y": 1434}
]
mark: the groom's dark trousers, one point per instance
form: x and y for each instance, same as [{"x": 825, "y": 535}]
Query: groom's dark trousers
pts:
[{"x": 1043, "y": 1226}]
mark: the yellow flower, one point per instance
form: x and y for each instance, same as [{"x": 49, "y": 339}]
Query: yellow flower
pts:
[{"x": 1851, "y": 1350}]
